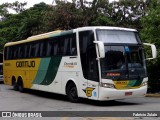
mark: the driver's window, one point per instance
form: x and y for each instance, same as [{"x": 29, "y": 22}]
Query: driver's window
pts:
[{"x": 88, "y": 55}]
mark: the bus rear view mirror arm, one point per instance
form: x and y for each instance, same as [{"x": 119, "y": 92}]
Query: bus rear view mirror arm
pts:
[
  {"x": 154, "y": 50},
  {"x": 101, "y": 49}
]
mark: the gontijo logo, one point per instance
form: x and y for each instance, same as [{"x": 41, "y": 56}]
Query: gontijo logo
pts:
[{"x": 25, "y": 64}]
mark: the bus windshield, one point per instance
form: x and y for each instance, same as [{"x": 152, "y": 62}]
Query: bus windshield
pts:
[
  {"x": 117, "y": 36},
  {"x": 124, "y": 56},
  {"x": 123, "y": 62}
]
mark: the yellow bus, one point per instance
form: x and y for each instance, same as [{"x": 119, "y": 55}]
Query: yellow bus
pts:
[{"x": 99, "y": 63}]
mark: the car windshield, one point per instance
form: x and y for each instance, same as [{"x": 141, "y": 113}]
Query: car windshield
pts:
[{"x": 123, "y": 62}]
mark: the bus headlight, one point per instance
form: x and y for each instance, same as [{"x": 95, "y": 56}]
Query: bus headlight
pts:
[
  {"x": 107, "y": 85},
  {"x": 144, "y": 83}
]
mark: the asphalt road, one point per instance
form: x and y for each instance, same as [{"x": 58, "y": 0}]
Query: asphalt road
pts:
[{"x": 32, "y": 100}]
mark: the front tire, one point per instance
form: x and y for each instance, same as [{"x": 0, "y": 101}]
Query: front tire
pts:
[{"x": 72, "y": 93}]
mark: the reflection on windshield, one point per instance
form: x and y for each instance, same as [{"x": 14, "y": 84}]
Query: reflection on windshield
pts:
[
  {"x": 114, "y": 57},
  {"x": 120, "y": 63}
]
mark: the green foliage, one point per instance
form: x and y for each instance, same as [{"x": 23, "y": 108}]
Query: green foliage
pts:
[
  {"x": 150, "y": 33},
  {"x": 16, "y": 6},
  {"x": 31, "y": 21}
]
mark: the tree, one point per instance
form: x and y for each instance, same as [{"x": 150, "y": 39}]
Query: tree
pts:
[
  {"x": 9, "y": 23},
  {"x": 32, "y": 20},
  {"x": 16, "y": 6},
  {"x": 127, "y": 13},
  {"x": 150, "y": 33}
]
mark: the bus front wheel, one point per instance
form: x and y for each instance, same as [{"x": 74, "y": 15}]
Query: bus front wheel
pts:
[{"x": 72, "y": 93}]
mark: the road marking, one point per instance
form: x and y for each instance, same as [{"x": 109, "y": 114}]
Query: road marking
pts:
[{"x": 64, "y": 118}]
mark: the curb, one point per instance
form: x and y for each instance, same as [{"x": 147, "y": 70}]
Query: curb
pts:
[{"x": 152, "y": 95}]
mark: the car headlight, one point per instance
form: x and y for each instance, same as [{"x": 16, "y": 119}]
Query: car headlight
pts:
[
  {"x": 107, "y": 85},
  {"x": 144, "y": 83}
]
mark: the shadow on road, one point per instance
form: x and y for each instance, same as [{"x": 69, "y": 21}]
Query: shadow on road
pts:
[
  {"x": 82, "y": 101},
  {"x": 1, "y": 82}
]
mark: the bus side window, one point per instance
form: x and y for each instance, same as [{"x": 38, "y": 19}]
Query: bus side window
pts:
[
  {"x": 52, "y": 47},
  {"x": 43, "y": 48},
  {"x": 73, "y": 45},
  {"x": 55, "y": 48},
  {"x": 33, "y": 48},
  {"x": 37, "y": 49},
  {"x": 61, "y": 46},
  {"x": 10, "y": 55},
  {"x": 70, "y": 48},
  {"x": 21, "y": 51},
  {"x": 27, "y": 50},
  {"x": 6, "y": 51},
  {"x": 49, "y": 48},
  {"x": 1, "y": 58},
  {"x": 15, "y": 53},
  {"x": 88, "y": 55},
  {"x": 66, "y": 50},
  {"x": 92, "y": 65}
]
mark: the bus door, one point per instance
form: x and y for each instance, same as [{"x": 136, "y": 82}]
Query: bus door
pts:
[
  {"x": 89, "y": 64},
  {"x": 92, "y": 73}
]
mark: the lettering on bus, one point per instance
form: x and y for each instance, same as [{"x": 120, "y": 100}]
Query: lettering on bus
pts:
[
  {"x": 70, "y": 65},
  {"x": 25, "y": 64},
  {"x": 7, "y": 64}
]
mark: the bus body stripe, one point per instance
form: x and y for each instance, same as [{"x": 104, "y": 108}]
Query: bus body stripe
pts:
[
  {"x": 131, "y": 83},
  {"x": 47, "y": 70},
  {"x": 138, "y": 82},
  {"x": 52, "y": 70},
  {"x": 42, "y": 70},
  {"x": 128, "y": 84}
]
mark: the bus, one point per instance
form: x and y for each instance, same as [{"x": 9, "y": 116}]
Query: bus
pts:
[
  {"x": 1, "y": 67},
  {"x": 99, "y": 63}
]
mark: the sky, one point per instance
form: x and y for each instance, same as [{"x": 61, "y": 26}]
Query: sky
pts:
[{"x": 30, "y": 3}]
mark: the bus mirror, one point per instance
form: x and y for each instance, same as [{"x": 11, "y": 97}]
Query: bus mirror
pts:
[
  {"x": 101, "y": 49},
  {"x": 154, "y": 50}
]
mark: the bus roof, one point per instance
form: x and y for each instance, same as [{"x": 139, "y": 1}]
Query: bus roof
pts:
[
  {"x": 36, "y": 37},
  {"x": 62, "y": 32},
  {"x": 106, "y": 27}
]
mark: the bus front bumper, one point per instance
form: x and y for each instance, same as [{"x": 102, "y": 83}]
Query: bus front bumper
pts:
[{"x": 114, "y": 94}]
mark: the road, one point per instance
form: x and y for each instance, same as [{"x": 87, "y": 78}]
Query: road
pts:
[{"x": 32, "y": 100}]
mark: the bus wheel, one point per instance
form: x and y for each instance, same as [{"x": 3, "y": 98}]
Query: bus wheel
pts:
[
  {"x": 72, "y": 93},
  {"x": 20, "y": 86},
  {"x": 15, "y": 86}
]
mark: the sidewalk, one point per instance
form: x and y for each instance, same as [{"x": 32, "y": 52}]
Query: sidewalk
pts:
[{"x": 153, "y": 95}]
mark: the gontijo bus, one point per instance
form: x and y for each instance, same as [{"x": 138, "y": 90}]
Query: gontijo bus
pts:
[{"x": 99, "y": 63}]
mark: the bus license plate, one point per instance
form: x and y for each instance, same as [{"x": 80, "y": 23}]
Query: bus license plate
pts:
[{"x": 128, "y": 93}]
